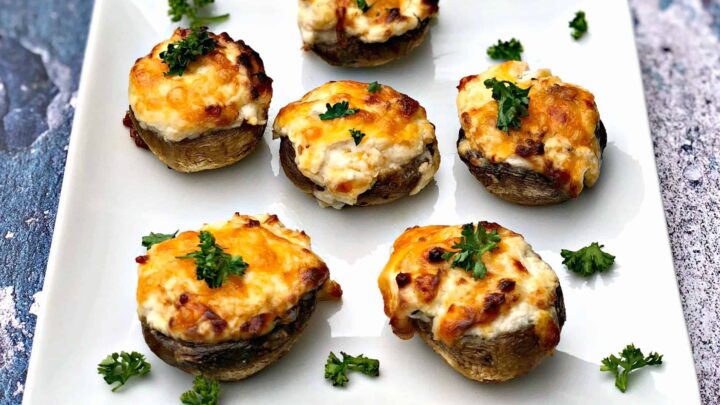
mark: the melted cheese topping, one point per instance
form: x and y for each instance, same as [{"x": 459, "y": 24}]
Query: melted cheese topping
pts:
[
  {"x": 327, "y": 21},
  {"x": 517, "y": 292},
  {"x": 221, "y": 90},
  {"x": 281, "y": 270},
  {"x": 396, "y": 132},
  {"x": 556, "y": 139}
]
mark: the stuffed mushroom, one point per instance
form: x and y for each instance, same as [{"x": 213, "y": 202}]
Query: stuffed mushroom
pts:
[
  {"x": 229, "y": 300},
  {"x": 529, "y": 137},
  {"x": 199, "y": 112},
  {"x": 358, "y": 33},
  {"x": 493, "y": 317},
  {"x": 354, "y": 144}
]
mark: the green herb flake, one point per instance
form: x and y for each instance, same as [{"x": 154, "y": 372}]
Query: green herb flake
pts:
[
  {"x": 506, "y": 50},
  {"x": 362, "y": 5},
  {"x": 120, "y": 367},
  {"x": 205, "y": 391},
  {"x": 631, "y": 358},
  {"x": 474, "y": 242},
  {"x": 337, "y": 110},
  {"x": 336, "y": 369},
  {"x": 212, "y": 264},
  {"x": 155, "y": 238},
  {"x": 374, "y": 87},
  {"x": 513, "y": 103},
  {"x": 179, "y": 8},
  {"x": 357, "y": 135},
  {"x": 589, "y": 260},
  {"x": 579, "y": 25},
  {"x": 179, "y": 54}
]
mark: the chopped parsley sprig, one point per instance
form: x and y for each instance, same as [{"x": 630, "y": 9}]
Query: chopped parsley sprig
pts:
[
  {"x": 357, "y": 135},
  {"x": 179, "y": 54},
  {"x": 631, "y": 358},
  {"x": 205, "y": 391},
  {"x": 212, "y": 263},
  {"x": 362, "y": 5},
  {"x": 155, "y": 238},
  {"x": 474, "y": 242},
  {"x": 589, "y": 260},
  {"x": 337, "y": 110},
  {"x": 374, "y": 87},
  {"x": 336, "y": 369},
  {"x": 506, "y": 50},
  {"x": 179, "y": 8},
  {"x": 513, "y": 103},
  {"x": 120, "y": 367},
  {"x": 579, "y": 25}
]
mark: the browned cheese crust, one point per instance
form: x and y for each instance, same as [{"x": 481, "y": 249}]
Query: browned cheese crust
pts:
[
  {"x": 489, "y": 329},
  {"x": 210, "y": 116}
]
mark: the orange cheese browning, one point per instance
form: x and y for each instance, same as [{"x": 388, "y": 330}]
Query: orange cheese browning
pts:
[
  {"x": 556, "y": 139},
  {"x": 396, "y": 132},
  {"x": 223, "y": 89},
  {"x": 517, "y": 292},
  {"x": 281, "y": 271}
]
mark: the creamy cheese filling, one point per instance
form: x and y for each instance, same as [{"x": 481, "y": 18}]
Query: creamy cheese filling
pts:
[
  {"x": 214, "y": 93},
  {"x": 525, "y": 304},
  {"x": 318, "y": 20},
  {"x": 563, "y": 117},
  {"x": 336, "y": 164}
]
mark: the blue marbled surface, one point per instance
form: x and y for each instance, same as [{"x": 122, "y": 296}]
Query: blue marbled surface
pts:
[{"x": 41, "y": 49}]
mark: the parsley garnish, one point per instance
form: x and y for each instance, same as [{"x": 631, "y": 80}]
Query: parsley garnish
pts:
[
  {"x": 588, "y": 260},
  {"x": 153, "y": 238},
  {"x": 631, "y": 358},
  {"x": 214, "y": 265},
  {"x": 205, "y": 391},
  {"x": 120, "y": 367},
  {"x": 506, "y": 50},
  {"x": 362, "y": 5},
  {"x": 337, "y": 110},
  {"x": 374, "y": 87},
  {"x": 579, "y": 25},
  {"x": 357, "y": 136},
  {"x": 512, "y": 101},
  {"x": 179, "y": 8},
  {"x": 470, "y": 249},
  {"x": 336, "y": 370},
  {"x": 179, "y": 54}
]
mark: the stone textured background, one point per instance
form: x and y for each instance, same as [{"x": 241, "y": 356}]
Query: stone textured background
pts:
[{"x": 41, "y": 50}]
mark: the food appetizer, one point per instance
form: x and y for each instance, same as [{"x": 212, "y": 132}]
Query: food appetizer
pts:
[
  {"x": 351, "y": 143},
  {"x": 199, "y": 100},
  {"x": 528, "y": 137},
  {"x": 478, "y": 295},
  {"x": 231, "y": 299},
  {"x": 359, "y": 33}
]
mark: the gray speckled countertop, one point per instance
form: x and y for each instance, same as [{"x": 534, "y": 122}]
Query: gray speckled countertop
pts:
[{"x": 41, "y": 48}]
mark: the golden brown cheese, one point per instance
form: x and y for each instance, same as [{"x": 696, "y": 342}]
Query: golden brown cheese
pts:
[
  {"x": 518, "y": 290},
  {"x": 224, "y": 89},
  {"x": 556, "y": 139},
  {"x": 281, "y": 270},
  {"x": 396, "y": 132},
  {"x": 329, "y": 21}
]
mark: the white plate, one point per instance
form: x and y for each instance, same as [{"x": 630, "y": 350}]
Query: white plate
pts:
[{"x": 114, "y": 193}]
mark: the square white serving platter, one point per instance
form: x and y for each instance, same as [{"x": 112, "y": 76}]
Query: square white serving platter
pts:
[{"x": 114, "y": 193}]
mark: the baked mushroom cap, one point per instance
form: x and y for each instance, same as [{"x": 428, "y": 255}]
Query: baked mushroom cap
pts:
[
  {"x": 552, "y": 157},
  {"x": 251, "y": 320},
  {"x": 490, "y": 329},
  {"x": 210, "y": 116},
  {"x": 341, "y": 33},
  {"x": 396, "y": 155}
]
